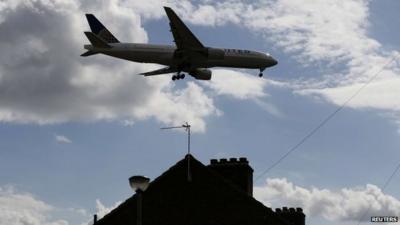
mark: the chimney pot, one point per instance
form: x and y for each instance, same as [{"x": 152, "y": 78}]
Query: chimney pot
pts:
[
  {"x": 233, "y": 160},
  {"x": 294, "y": 216}
]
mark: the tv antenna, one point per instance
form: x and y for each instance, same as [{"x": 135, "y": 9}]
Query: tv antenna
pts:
[{"x": 185, "y": 126}]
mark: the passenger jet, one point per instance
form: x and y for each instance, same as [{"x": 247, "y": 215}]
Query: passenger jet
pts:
[{"x": 188, "y": 55}]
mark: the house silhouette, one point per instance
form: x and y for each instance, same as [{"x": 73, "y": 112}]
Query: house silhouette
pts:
[{"x": 217, "y": 194}]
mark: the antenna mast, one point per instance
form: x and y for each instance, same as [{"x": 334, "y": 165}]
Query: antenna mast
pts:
[{"x": 185, "y": 126}]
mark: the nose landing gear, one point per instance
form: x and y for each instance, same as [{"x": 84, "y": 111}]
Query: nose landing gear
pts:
[
  {"x": 178, "y": 76},
  {"x": 261, "y": 72}
]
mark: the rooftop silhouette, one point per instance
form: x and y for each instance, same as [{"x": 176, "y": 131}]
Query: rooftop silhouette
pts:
[{"x": 220, "y": 193}]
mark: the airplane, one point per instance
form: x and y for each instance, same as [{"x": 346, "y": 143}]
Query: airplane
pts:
[{"x": 188, "y": 55}]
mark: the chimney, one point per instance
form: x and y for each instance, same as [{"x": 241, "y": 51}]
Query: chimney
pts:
[
  {"x": 238, "y": 171},
  {"x": 294, "y": 216}
]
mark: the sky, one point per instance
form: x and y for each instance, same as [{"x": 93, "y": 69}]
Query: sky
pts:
[{"x": 74, "y": 129}]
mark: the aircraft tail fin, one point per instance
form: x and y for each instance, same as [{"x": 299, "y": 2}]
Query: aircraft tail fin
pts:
[
  {"x": 100, "y": 30},
  {"x": 96, "y": 41}
]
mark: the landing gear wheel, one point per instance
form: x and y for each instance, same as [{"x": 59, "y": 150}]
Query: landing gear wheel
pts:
[
  {"x": 178, "y": 76},
  {"x": 260, "y": 74}
]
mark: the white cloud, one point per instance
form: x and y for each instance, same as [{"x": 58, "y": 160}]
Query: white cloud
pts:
[
  {"x": 382, "y": 94},
  {"x": 23, "y": 209},
  {"x": 324, "y": 30},
  {"x": 346, "y": 204},
  {"x": 62, "y": 139},
  {"x": 270, "y": 108},
  {"x": 237, "y": 84},
  {"x": 242, "y": 86},
  {"x": 102, "y": 210},
  {"x": 189, "y": 104}
]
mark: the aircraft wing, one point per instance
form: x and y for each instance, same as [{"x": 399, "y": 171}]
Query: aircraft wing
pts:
[
  {"x": 183, "y": 37},
  {"x": 160, "y": 71}
]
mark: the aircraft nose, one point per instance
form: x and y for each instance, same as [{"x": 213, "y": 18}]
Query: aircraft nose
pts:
[
  {"x": 269, "y": 61},
  {"x": 273, "y": 61}
]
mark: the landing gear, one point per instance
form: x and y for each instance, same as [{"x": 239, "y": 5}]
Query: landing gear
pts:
[
  {"x": 178, "y": 76},
  {"x": 261, "y": 72}
]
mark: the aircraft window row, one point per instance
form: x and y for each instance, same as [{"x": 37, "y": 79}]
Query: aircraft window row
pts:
[{"x": 237, "y": 51}]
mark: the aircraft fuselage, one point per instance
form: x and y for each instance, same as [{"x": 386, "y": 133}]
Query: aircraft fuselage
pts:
[{"x": 171, "y": 56}]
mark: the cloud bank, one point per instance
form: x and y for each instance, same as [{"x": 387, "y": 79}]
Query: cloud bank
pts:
[
  {"x": 24, "y": 209},
  {"x": 346, "y": 204}
]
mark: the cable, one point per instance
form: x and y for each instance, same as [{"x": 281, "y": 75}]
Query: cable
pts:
[
  {"x": 383, "y": 189},
  {"x": 326, "y": 120}
]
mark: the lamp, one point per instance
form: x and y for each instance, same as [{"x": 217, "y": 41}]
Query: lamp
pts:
[{"x": 139, "y": 183}]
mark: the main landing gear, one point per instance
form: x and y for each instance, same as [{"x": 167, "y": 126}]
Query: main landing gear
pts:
[{"x": 178, "y": 76}]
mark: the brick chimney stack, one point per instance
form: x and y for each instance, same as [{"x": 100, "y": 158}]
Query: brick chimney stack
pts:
[
  {"x": 294, "y": 216},
  {"x": 238, "y": 171}
]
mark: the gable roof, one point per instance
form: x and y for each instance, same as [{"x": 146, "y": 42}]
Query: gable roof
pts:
[{"x": 208, "y": 199}]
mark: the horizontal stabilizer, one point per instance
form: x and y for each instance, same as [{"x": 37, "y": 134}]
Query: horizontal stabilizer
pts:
[
  {"x": 96, "y": 41},
  {"x": 160, "y": 71},
  {"x": 88, "y": 53}
]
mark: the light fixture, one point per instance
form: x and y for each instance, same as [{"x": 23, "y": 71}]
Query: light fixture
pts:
[{"x": 139, "y": 183}]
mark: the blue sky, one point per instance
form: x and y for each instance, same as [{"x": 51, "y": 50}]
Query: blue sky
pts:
[{"x": 73, "y": 129}]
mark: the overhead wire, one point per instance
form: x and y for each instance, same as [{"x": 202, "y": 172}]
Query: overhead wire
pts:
[
  {"x": 387, "y": 182},
  {"x": 326, "y": 120}
]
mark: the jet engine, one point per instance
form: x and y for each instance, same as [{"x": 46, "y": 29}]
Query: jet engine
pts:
[
  {"x": 215, "y": 53},
  {"x": 201, "y": 74}
]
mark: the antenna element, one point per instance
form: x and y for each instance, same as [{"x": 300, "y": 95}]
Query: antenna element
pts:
[{"x": 186, "y": 126}]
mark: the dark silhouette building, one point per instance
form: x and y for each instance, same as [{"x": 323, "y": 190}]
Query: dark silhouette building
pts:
[{"x": 190, "y": 193}]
